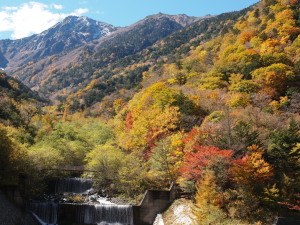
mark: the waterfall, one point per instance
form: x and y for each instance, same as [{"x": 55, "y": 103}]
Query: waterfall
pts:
[
  {"x": 73, "y": 185},
  {"x": 105, "y": 214},
  {"x": 45, "y": 212}
]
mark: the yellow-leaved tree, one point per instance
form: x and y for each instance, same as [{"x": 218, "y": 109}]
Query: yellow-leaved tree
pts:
[
  {"x": 150, "y": 115},
  {"x": 274, "y": 78}
]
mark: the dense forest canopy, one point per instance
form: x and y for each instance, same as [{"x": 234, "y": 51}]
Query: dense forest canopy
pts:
[{"x": 218, "y": 115}]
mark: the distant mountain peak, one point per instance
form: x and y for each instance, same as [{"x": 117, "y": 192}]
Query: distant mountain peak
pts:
[
  {"x": 82, "y": 24},
  {"x": 181, "y": 19},
  {"x": 79, "y": 19},
  {"x": 45, "y": 59},
  {"x": 68, "y": 34}
]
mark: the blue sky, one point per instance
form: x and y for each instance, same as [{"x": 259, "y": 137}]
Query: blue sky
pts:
[{"x": 20, "y": 18}]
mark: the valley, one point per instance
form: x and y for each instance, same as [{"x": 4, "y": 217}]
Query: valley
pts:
[{"x": 208, "y": 104}]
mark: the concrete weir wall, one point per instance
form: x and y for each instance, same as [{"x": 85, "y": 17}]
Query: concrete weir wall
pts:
[{"x": 153, "y": 203}]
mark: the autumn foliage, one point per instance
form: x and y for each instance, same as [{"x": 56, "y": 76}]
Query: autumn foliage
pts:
[
  {"x": 252, "y": 169},
  {"x": 219, "y": 117},
  {"x": 203, "y": 157}
]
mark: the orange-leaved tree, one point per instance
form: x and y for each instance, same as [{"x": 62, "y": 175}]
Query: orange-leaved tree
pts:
[
  {"x": 203, "y": 157},
  {"x": 252, "y": 170}
]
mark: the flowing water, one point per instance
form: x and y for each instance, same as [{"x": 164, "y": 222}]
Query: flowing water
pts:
[
  {"x": 102, "y": 213},
  {"x": 45, "y": 212},
  {"x": 73, "y": 185}
]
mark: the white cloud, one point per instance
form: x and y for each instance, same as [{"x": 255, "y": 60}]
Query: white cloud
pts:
[
  {"x": 99, "y": 12},
  {"x": 80, "y": 11},
  {"x": 9, "y": 8},
  {"x": 58, "y": 7},
  {"x": 32, "y": 18}
]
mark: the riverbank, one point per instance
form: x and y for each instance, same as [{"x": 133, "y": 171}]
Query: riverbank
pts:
[{"x": 179, "y": 213}]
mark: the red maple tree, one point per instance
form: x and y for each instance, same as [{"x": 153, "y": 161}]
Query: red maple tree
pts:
[{"x": 203, "y": 156}]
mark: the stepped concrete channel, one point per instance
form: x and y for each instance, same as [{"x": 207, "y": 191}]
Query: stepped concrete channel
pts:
[{"x": 102, "y": 213}]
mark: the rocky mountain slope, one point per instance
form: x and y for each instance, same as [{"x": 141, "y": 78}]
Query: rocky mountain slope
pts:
[
  {"x": 89, "y": 66},
  {"x": 127, "y": 72},
  {"x": 42, "y": 72},
  {"x": 72, "y": 32}
]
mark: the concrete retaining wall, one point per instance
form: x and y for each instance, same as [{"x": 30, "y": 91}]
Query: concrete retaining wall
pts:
[{"x": 153, "y": 203}]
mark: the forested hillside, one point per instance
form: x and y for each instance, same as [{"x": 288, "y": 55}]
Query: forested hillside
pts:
[
  {"x": 18, "y": 105},
  {"x": 63, "y": 73},
  {"x": 14, "y": 98},
  {"x": 213, "y": 108},
  {"x": 126, "y": 73}
]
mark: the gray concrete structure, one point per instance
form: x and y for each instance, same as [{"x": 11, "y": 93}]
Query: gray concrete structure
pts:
[
  {"x": 153, "y": 203},
  {"x": 287, "y": 221}
]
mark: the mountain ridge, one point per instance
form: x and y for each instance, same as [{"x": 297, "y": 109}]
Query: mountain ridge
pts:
[
  {"x": 72, "y": 32},
  {"x": 146, "y": 41},
  {"x": 106, "y": 82},
  {"x": 120, "y": 43}
]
